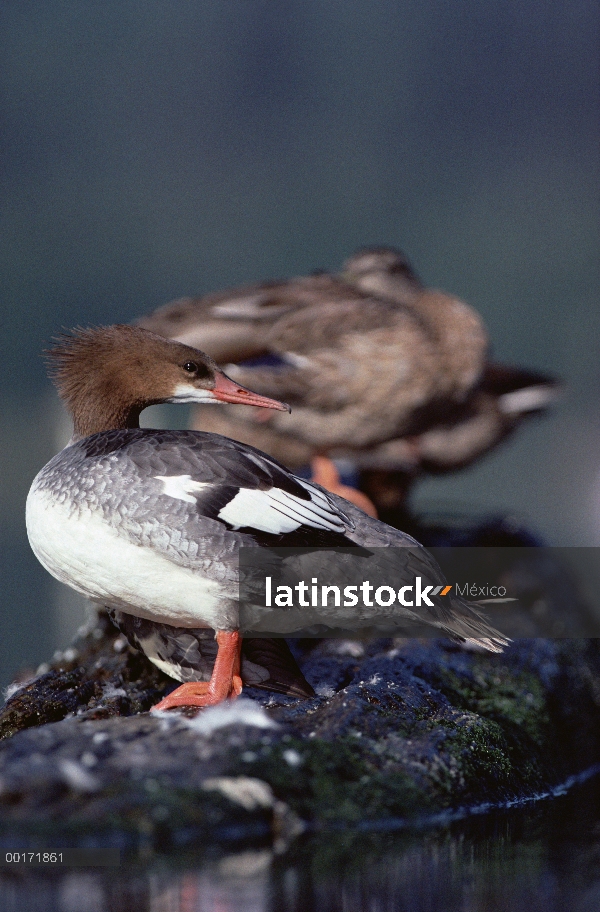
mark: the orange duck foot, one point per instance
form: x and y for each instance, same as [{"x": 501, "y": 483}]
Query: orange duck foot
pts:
[
  {"x": 199, "y": 693},
  {"x": 225, "y": 681},
  {"x": 325, "y": 474}
]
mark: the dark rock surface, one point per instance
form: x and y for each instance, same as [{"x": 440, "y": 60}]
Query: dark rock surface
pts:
[{"x": 399, "y": 729}]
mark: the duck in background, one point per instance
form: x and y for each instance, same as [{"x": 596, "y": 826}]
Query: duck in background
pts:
[
  {"x": 149, "y": 523},
  {"x": 381, "y": 372}
]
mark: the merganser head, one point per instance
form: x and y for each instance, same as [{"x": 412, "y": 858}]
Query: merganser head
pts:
[
  {"x": 107, "y": 375},
  {"x": 383, "y": 271}
]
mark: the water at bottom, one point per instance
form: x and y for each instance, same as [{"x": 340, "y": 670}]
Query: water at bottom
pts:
[{"x": 543, "y": 857}]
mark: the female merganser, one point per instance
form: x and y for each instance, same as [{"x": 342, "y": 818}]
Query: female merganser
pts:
[
  {"x": 149, "y": 522},
  {"x": 358, "y": 369},
  {"x": 379, "y": 369}
]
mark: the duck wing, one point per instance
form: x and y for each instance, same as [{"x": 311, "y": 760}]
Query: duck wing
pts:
[
  {"x": 232, "y": 325},
  {"x": 504, "y": 398},
  {"x": 192, "y": 495},
  {"x": 454, "y": 616}
]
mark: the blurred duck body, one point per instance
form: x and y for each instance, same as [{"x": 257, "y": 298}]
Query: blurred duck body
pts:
[{"x": 378, "y": 369}]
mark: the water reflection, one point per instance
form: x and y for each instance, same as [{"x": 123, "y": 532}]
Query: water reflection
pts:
[{"x": 541, "y": 859}]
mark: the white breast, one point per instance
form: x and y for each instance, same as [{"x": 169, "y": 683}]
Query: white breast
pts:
[{"x": 85, "y": 552}]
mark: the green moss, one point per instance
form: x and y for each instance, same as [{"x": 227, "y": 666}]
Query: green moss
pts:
[
  {"x": 480, "y": 759},
  {"x": 340, "y": 781},
  {"x": 501, "y": 750},
  {"x": 502, "y": 695}
]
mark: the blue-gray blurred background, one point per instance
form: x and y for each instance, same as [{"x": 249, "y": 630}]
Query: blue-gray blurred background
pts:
[{"x": 158, "y": 149}]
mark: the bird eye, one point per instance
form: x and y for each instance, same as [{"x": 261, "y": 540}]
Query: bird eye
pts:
[{"x": 191, "y": 367}]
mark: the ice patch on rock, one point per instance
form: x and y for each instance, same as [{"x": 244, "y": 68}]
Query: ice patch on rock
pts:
[
  {"x": 231, "y": 712},
  {"x": 247, "y": 791},
  {"x": 15, "y": 687},
  {"x": 76, "y": 777},
  {"x": 292, "y": 757},
  {"x": 109, "y": 690},
  {"x": 325, "y": 690}
]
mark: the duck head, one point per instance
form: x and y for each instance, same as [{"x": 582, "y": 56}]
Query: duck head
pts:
[{"x": 108, "y": 375}]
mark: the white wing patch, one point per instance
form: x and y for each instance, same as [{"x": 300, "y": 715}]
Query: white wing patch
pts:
[
  {"x": 251, "y": 306},
  {"x": 182, "y": 487},
  {"x": 277, "y": 512},
  {"x": 296, "y": 360},
  {"x": 527, "y": 399}
]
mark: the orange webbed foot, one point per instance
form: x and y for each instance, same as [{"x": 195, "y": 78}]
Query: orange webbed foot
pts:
[
  {"x": 225, "y": 682},
  {"x": 198, "y": 693}
]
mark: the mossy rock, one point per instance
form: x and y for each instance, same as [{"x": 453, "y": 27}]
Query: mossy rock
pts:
[{"x": 400, "y": 730}]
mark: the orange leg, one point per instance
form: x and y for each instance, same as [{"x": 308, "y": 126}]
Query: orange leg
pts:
[
  {"x": 225, "y": 680},
  {"x": 325, "y": 473}
]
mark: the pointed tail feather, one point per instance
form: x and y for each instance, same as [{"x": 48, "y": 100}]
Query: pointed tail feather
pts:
[{"x": 469, "y": 625}]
